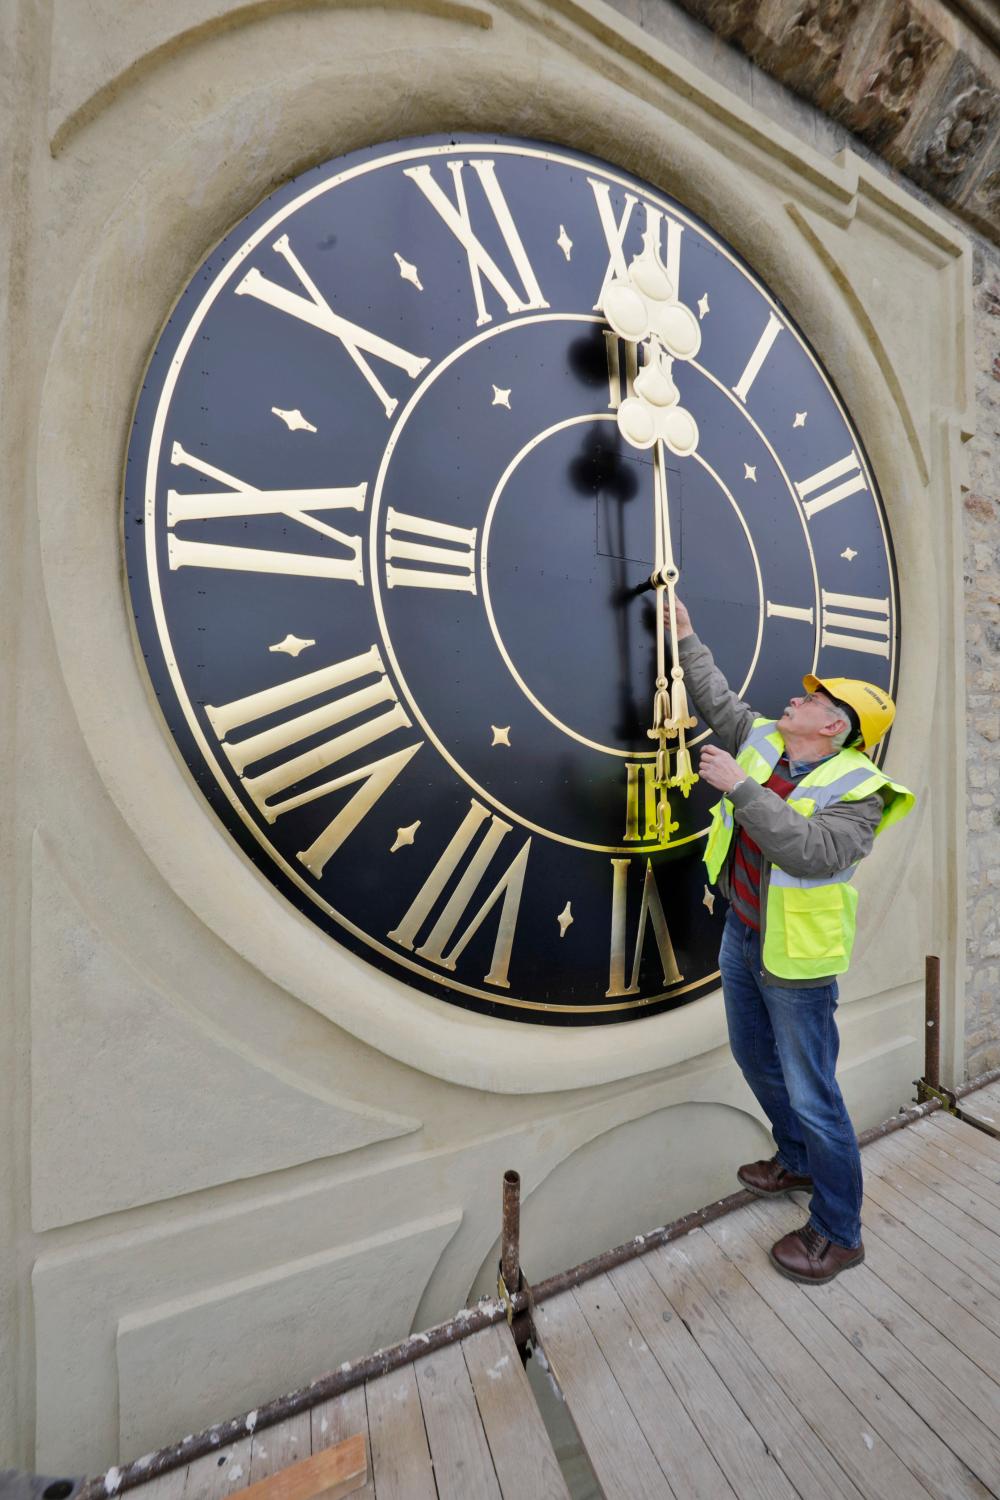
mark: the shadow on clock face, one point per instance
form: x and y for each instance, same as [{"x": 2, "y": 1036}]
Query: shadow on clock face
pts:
[{"x": 568, "y": 576}]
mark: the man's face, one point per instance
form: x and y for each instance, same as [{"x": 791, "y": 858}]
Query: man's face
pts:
[{"x": 812, "y": 714}]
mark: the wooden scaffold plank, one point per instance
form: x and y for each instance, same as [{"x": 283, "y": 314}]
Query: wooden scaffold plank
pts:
[
  {"x": 933, "y": 1230},
  {"x": 973, "y": 1147},
  {"x": 611, "y": 1436},
  {"x": 976, "y": 1190},
  {"x": 334, "y": 1421},
  {"x": 400, "y": 1458},
  {"x": 751, "y": 1469},
  {"x": 976, "y": 1220},
  {"x": 824, "y": 1420},
  {"x": 677, "y": 1445},
  {"x": 932, "y": 1262},
  {"x": 523, "y": 1456},
  {"x": 218, "y": 1475},
  {"x": 332, "y": 1474},
  {"x": 929, "y": 1144},
  {"x": 463, "y": 1464},
  {"x": 275, "y": 1448},
  {"x": 745, "y": 1239},
  {"x": 807, "y": 1463},
  {"x": 883, "y": 1335},
  {"x": 166, "y": 1486},
  {"x": 984, "y": 1104}
]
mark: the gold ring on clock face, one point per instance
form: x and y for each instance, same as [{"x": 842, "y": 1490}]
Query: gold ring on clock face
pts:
[{"x": 389, "y": 551}]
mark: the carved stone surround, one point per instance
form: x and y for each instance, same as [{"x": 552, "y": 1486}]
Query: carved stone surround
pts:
[{"x": 918, "y": 80}]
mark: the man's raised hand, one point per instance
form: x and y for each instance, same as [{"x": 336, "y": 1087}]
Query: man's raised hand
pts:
[
  {"x": 684, "y": 626},
  {"x": 719, "y": 769}
]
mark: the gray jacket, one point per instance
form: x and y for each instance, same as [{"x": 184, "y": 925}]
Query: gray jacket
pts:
[{"x": 829, "y": 841}]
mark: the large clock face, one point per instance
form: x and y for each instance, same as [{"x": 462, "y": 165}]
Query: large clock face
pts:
[{"x": 387, "y": 552}]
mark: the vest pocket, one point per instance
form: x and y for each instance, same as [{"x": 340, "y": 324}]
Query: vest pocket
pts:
[{"x": 814, "y": 922}]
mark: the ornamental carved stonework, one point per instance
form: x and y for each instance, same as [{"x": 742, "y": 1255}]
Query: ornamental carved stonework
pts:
[
  {"x": 987, "y": 195},
  {"x": 890, "y": 85},
  {"x": 824, "y": 25},
  {"x": 961, "y": 133},
  {"x": 953, "y": 146},
  {"x": 917, "y": 80}
]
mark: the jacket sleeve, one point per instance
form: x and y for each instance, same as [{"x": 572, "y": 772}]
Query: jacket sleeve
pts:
[
  {"x": 809, "y": 848},
  {"x": 718, "y": 705}
]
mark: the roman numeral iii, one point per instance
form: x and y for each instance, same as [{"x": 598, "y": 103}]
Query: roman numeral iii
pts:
[
  {"x": 508, "y": 888},
  {"x": 452, "y": 548},
  {"x": 377, "y": 713},
  {"x": 244, "y": 500},
  {"x": 865, "y": 628},
  {"x": 481, "y": 264}
]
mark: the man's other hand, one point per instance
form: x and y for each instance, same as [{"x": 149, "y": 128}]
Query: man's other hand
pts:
[
  {"x": 684, "y": 626},
  {"x": 718, "y": 768}
]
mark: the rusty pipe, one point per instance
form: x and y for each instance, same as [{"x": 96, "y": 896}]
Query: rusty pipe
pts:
[
  {"x": 932, "y": 1021},
  {"x": 510, "y": 1236}
]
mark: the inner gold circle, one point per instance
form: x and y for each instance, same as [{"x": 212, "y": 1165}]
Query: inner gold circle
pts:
[{"x": 536, "y": 702}]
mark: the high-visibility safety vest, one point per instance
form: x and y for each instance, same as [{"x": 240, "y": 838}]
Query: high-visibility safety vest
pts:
[{"x": 808, "y": 924}]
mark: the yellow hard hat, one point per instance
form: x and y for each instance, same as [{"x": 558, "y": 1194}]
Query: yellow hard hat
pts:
[{"x": 874, "y": 709}]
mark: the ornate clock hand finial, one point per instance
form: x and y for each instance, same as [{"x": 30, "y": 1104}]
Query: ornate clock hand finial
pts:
[{"x": 644, "y": 307}]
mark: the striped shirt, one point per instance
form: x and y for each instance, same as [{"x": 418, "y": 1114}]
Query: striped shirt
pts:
[{"x": 747, "y": 858}]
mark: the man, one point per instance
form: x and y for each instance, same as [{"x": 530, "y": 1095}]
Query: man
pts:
[{"x": 802, "y": 805}]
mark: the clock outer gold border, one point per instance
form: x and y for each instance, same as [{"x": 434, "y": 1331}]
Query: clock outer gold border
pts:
[{"x": 157, "y": 429}]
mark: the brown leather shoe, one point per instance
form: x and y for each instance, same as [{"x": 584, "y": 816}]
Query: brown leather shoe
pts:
[
  {"x": 806, "y": 1255},
  {"x": 769, "y": 1179}
]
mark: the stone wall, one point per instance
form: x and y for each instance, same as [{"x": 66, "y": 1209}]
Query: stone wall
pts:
[{"x": 982, "y": 585}]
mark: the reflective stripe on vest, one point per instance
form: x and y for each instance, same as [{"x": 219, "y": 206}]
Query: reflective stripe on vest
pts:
[{"x": 809, "y": 924}]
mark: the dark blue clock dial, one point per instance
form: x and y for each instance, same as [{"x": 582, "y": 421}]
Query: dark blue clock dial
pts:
[{"x": 387, "y": 550}]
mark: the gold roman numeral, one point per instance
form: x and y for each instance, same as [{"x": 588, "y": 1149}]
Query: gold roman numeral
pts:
[
  {"x": 458, "y": 554},
  {"x": 790, "y": 612},
  {"x": 273, "y": 790},
  {"x": 855, "y": 631},
  {"x": 615, "y": 230},
  {"x": 651, "y": 913},
  {"x": 823, "y": 488},
  {"x": 509, "y": 887},
  {"x": 623, "y": 367},
  {"x": 757, "y": 358},
  {"x": 313, "y": 308},
  {"x": 640, "y": 802},
  {"x": 481, "y": 263},
  {"x": 243, "y": 500}
]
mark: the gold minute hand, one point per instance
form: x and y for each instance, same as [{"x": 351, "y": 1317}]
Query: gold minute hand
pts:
[{"x": 679, "y": 718}]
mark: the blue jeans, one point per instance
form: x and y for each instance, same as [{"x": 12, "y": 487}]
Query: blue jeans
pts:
[{"x": 786, "y": 1043}]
